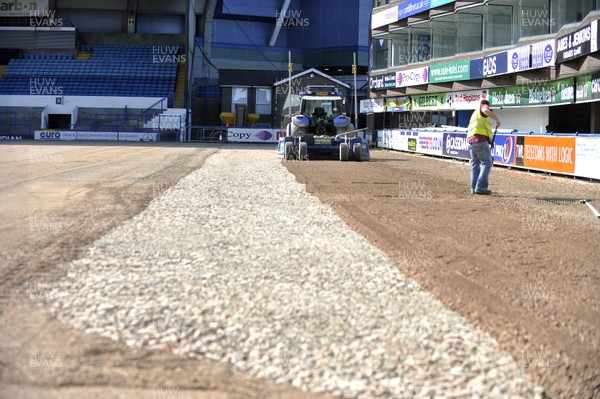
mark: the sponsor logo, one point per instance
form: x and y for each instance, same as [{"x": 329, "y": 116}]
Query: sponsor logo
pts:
[
  {"x": 50, "y": 135},
  {"x": 412, "y": 144},
  {"x": 489, "y": 66},
  {"x": 514, "y": 60},
  {"x": 548, "y": 53},
  {"x": 376, "y": 82},
  {"x": 457, "y": 143},
  {"x": 264, "y": 135}
]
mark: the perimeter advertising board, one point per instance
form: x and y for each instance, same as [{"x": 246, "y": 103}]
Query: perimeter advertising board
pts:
[
  {"x": 430, "y": 143},
  {"x": 556, "y": 154},
  {"x": 504, "y": 149},
  {"x": 55, "y": 135},
  {"x": 69, "y": 135},
  {"x": 587, "y": 157},
  {"x": 242, "y": 135},
  {"x": 455, "y": 145}
]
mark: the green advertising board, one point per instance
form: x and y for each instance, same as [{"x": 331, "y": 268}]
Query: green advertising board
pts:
[
  {"x": 450, "y": 71},
  {"x": 583, "y": 89},
  {"x": 534, "y": 93},
  {"x": 424, "y": 102}
]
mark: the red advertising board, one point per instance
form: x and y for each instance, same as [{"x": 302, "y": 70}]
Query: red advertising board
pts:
[{"x": 555, "y": 154}]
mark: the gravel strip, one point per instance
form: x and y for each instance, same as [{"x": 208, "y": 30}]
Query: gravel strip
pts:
[{"x": 237, "y": 263}]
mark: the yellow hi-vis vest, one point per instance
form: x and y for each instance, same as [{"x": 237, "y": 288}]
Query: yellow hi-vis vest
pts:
[{"x": 479, "y": 125}]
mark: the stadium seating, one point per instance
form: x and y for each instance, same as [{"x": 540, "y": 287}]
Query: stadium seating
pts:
[{"x": 127, "y": 71}]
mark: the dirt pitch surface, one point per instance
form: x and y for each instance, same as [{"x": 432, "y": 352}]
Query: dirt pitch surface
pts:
[
  {"x": 524, "y": 269},
  {"x": 55, "y": 200}
]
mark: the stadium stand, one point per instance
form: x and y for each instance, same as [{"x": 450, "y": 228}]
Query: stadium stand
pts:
[{"x": 124, "y": 71}]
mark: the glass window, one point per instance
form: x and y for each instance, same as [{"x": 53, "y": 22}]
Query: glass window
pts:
[
  {"x": 239, "y": 95},
  {"x": 401, "y": 54},
  {"x": 534, "y": 17},
  {"x": 567, "y": 11},
  {"x": 421, "y": 44},
  {"x": 499, "y": 26},
  {"x": 263, "y": 101},
  {"x": 380, "y": 52},
  {"x": 444, "y": 36},
  {"x": 470, "y": 32}
]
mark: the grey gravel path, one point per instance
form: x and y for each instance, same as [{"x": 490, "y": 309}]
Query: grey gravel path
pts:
[{"x": 237, "y": 263}]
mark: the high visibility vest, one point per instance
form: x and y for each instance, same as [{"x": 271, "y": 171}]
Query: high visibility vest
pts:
[{"x": 479, "y": 125}]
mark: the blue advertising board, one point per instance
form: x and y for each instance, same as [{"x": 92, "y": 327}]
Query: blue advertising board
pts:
[
  {"x": 412, "y": 7},
  {"x": 495, "y": 64},
  {"x": 504, "y": 149},
  {"x": 455, "y": 145}
]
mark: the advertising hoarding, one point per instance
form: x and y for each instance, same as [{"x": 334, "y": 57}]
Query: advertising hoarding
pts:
[
  {"x": 576, "y": 44},
  {"x": 556, "y": 154}
]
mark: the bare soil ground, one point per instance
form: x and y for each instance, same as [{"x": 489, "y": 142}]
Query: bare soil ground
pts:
[
  {"x": 523, "y": 268},
  {"x": 55, "y": 200}
]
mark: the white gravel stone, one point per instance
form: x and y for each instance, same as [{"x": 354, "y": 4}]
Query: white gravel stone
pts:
[{"x": 238, "y": 264}]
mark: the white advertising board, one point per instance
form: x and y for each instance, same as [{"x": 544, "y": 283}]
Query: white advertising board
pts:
[
  {"x": 252, "y": 135},
  {"x": 587, "y": 157}
]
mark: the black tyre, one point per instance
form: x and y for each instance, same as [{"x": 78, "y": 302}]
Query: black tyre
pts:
[
  {"x": 303, "y": 151},
  {"x": 344, "y": 152},
  {"x": 357, "y": 152}
]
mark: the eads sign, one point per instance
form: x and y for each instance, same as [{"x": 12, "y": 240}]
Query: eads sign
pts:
[{"x": 495, "y": 64}]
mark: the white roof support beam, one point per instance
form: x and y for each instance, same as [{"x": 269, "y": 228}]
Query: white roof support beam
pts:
[{"x": 279, "y": 23}]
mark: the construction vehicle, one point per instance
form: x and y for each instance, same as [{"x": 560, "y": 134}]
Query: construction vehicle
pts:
[{"x": 321, "y": 130}]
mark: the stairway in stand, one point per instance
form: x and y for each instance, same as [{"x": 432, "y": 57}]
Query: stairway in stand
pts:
[
  {"x": 179, "y": 85},
  {"x": 2, "y": 69}
]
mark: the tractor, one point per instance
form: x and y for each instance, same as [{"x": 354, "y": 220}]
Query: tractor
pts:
[{"x": 321, "y": 130}]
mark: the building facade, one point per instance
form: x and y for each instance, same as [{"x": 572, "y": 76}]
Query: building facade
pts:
[
  {"x": 536, "y": 61},
  {"x": 250, "y": 42}
]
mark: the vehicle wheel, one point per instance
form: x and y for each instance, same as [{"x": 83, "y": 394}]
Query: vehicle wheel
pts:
[
  {"x": 288, "y": 151},
  {"x": 343, "y": 152},
  {"x": 357, "y": 152},
  {"x": 303, "y": 151}
]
